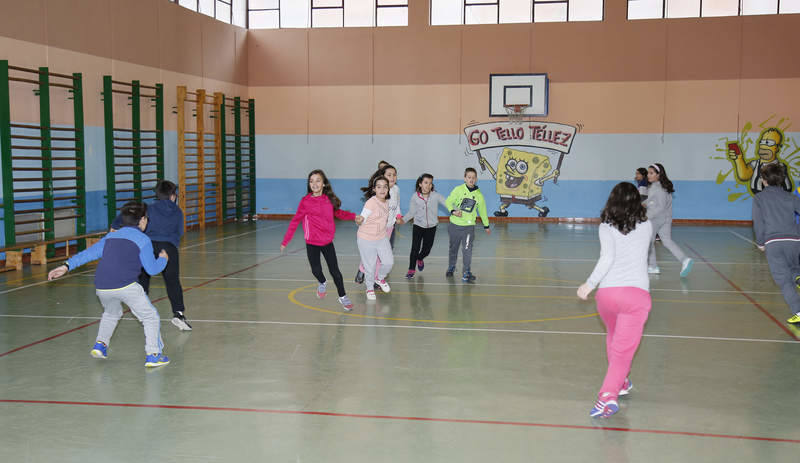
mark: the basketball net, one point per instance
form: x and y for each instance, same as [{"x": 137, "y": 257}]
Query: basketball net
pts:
[{"x": 516, "y": 112}]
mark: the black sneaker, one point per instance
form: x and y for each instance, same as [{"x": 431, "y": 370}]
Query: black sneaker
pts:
[
  {"x": 359, "y": 277},
  {"x": 450, "y": 271},
  {"x": 180, "y": 321}
]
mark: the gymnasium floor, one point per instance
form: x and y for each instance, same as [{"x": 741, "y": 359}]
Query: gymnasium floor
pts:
[{"x": 505, "y": 369}]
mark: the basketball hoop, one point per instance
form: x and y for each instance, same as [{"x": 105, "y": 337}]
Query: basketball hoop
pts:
[{"x": 516, "y": 112}]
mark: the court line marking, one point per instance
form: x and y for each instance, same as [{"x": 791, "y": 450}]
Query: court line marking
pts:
[
  {"x": 418, "y": 327},
  {"x": 740, "y": 236},
  {"x": 746, "y": 296},
  {"x": 405, "y": 256},
  {"x": 153, "y": 302},
  {"x": 39, "y": 283},
  {"x": 410, "y": 283},
  {"x": 229, "y": 237},
  {"x": 403, "y": 418}
]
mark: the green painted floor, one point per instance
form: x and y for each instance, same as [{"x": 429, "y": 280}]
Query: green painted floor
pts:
[{"x": 505, "y": 369}]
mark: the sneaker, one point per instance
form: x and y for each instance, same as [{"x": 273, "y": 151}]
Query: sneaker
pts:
[
  {"x": 468, "y": 277},
  {"x": 346, "y": 304},
  {"x": 626, "y": 387},
  {"x": 410, "y": 274},
  {"x": 686, "y": 266},
  {"x": 653, "y": 270},
  {"x": 99, "y": 351},
  {"x": 604, "y": 407},
  {"x": 180, "y": 321},
  {"x": 322, "y": 290},
  {"x": 420, "y": 265},
  {"x": 450, "y": 271},
  {"x": 793, "y": 319},
  {"x": 359, "y": 277},
  {"x": 371, "y": 295},
  {"x": 658, "y": 238},
  {"x": 156, "y": 360},
  {"x": 797, "y": 281},
  {"x": 384, "y": 286}
]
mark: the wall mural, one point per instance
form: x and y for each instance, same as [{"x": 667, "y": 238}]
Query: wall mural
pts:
[
  {"x": 520, "y": 174},
  {"x": 770, "y": 146}
]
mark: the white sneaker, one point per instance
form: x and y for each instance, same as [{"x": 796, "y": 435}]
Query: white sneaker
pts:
[
  {"x": 384, "y": 286},
  {"x": 371, "y": 295},
  {"x": 180, "y": 321},
  {"x": 686, "y": 267},
  {"x": 653, "y": 270}
]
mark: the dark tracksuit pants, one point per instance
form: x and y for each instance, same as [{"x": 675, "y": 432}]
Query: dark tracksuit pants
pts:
[
  {"x": 329, "y": 252},
  {"x": 421, "y": 244},
  {"x": 171, "y": 275}
]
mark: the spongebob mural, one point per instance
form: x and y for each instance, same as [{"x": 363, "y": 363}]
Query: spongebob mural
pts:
[
  {"x": 771, "y": 146},
  {"x": 520, "y": 175}
]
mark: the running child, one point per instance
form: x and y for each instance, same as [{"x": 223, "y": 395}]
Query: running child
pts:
[
  {"x": 465, "y": 202},
  {"x": 778, "y": 234},
  {"x": 623, "y": 298},
  {"x": 395, "y": 215},
  {"x": 317, "y": 210},
  {"x": 165, "y": 228},
  {"x": 423, "y": 209},
  {"x": 123, "y": 253},
  {"x": 659, "y": 213},
  {"x": 373, "y": 240},
  {"x": 640, "y": 178}
]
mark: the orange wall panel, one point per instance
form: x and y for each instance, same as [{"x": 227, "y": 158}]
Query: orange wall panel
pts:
[
  {"x": 83, "y": 25},
  {"x": 134, "y": 32},
  {"x": 701, "y": 106},
  {"x": 340, "y": 109},
  {"x": 277, "y": 57},
  {"x": 340, "y": 56},
  {"x": 708, "y": 48},
  {"x": 416, "y": 109},
  {"x": 424, "y": 56}
]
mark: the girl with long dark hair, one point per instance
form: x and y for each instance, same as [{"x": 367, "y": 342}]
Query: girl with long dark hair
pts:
[
  {"x": 659, "y": 212},
  {"x": 317, "y": 210},
  {"x": 623, "y": 297}
]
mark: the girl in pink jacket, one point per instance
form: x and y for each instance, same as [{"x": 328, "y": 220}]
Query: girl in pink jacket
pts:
[{"x": 317, "y": 210}]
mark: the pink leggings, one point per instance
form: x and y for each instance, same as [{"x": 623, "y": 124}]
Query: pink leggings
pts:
[{"x": 624, "y": 311}]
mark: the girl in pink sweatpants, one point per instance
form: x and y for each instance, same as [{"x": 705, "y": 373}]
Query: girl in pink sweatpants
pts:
[{"x": 623, "y": 297}]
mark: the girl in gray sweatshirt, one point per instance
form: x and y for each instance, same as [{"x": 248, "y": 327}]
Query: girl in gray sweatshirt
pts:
[
  {"x": 424, "y": 209},
  {"x": 659, "y": 213}
]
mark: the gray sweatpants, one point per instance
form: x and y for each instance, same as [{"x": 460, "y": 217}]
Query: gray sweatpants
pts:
[
  {"x": 375, "y": 254},
  {"x": 663, "y": 228},
  {"x": 783, "y": 258},
  {"x": 135, "y": 298},
  {"x": 461, "y": 236}
]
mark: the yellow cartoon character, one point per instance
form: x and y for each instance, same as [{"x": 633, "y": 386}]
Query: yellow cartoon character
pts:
[
  {"x": 520, "y": 176},
  {"x": 769, "y": 145}
]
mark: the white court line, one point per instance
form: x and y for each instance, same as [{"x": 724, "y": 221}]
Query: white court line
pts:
[
  {"x": 232, "y": 236},
  {"x": 432, "y": 328},
  {"x": 408, "y": 283},
  {"x": 44, "y": 282},
  {"x": 740, "y": 236},
  {"x": 405, "y": 256}
]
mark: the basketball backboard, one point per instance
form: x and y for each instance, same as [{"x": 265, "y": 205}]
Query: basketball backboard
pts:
[{"x": 529, "y": 90}]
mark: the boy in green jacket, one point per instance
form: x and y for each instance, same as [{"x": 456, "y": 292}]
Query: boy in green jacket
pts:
[{"x": 465, "y": 203}]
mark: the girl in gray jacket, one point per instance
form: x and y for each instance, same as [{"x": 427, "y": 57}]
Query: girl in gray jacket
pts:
[
  {"x": 423, "y": 208},
  {"x": 659, "y": 213}
]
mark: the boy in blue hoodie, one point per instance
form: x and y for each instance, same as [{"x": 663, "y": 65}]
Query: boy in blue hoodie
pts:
[
  {"x": 123, "y": 253},
  {"x": 165, "y": 228}
]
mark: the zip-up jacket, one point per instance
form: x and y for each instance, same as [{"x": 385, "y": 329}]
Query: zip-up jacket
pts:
[
  {"x": 659, "y": 203},
  {"x": 123, "y": 254},
  {"x": 425, "y": 211},
  {"x": 316, "y": 213},
  {"x": 456, "y": 201},
  {"x": 773, "y": 215},
  {"x": 165, "y": 222}
]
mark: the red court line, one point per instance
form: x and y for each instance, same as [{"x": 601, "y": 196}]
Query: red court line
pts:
[
  {"x": 746, "y": 296},
  {"x": 153, "y": 301},
  {"x": 403, "y": 418}
]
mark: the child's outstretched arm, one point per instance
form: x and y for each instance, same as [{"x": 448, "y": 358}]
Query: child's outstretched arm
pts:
[
  {"x": 298, "y": 216},
  {"x": 93, "y": 253}
]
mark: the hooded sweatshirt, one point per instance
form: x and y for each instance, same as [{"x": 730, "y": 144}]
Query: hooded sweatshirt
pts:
[
  {"x": 425, "y": 211},
  {"x": 773, "y": 216},
  {"x": 470, "y": 202},
  {"x": 165, "y": 222},
  {"x": 316, "y": 213}
]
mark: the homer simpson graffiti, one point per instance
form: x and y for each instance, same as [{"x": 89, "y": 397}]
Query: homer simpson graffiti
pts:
[
  {"x": 771, "y": 146},
  {"x": 520, "y": 175}
]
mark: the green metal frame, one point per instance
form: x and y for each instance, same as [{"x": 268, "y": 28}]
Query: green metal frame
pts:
[
  {"x": 241, "y": 158},
  {"x": 237, "y": 127},
  {"x": 5, "y": 152},
  {"x": 42, "y": 90},
  {"x": 251, "y": 107},
  {"x": 136, "y": 142},
  {"x": 223, "y": 159}
]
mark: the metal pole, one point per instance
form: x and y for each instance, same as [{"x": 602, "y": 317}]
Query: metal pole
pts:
[
  {"x": 5, "y": 151},
  {"x": 108, "y": 116},
  {"x": 47, "y": 162},
  {"x": 80, "y": 158},
  {"x": 252, "y": 109},
  {"x": 224, "y": 161},
  {"x": 160, "y": 130},
  {"x": 237, "y": 124},
  {"x": 136, "y": 125}
]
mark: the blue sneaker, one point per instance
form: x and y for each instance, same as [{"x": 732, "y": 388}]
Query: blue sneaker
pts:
[
  {"x": 604, "y": 407},
  {"x": 156, "y": 360},
  {"x": 468, "y": 277},
  {"x": 99, "y": 351},
  {"x": 420, "y": 264},
  {"x": 686, "y": 267}
]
